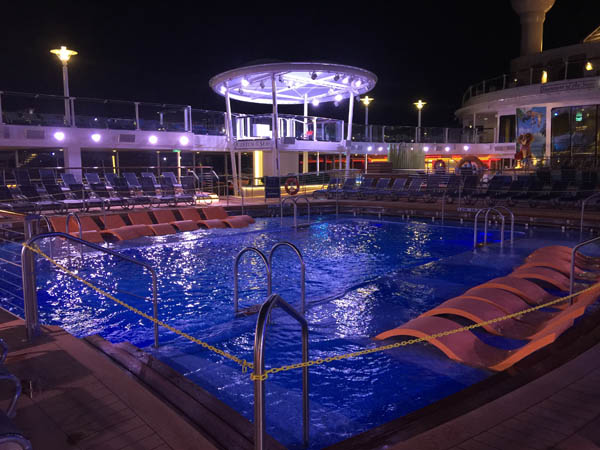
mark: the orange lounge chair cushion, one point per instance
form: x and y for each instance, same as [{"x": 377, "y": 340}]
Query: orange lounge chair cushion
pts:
[
  {"x": 194, "y": 214},
  {"x": 464, "y": 346},
  {"x": 143, "y": 218},
  {"x": 218, "y": 212},
  {"x": 166, "y": 216},
  {"x": 90, "y": 236}
]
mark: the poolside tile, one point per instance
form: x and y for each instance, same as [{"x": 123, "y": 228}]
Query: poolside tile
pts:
[{"x": 501, "y": 442}]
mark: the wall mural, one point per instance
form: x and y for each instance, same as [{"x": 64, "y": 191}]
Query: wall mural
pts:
[{"x": 531, "y": 134}]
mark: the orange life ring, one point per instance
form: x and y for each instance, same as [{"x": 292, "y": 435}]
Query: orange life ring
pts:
[
  {"x": 439, "y": 164},
  {"x": 296, "y": 185}
]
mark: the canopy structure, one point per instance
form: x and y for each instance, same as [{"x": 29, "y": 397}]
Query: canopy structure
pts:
[
  {"x": 291, "y": 83},
  {"x": 295, "y": 82}
]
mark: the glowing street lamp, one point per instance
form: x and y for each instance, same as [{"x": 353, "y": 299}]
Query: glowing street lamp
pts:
[
  {"x": 419, "y": 104},
  {"x": 64, "y": 54},
  {"x": 366, "y": 100}
]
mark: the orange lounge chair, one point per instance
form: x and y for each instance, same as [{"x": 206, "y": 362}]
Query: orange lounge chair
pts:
[
  {"x": 143, "y": 218},
  {"x": 565, "y": 253},
  {"x": 194, "y": 214},
  {"x": 560, "y": 265},
  {"x": 464, "y": 346},
  {"x": 549, "y": 255},
  {"x": 167, "y": 216},
  {"x": 527, "y": 290},
  {"x": 481, "y": 312},
  {"x": 59, "y": 224},
  {"x": 509, "y": 303},
  {"x": 113, "y": 222},
  {"x": 218, "y": 212},
  {"x": 544, "y": 274}
]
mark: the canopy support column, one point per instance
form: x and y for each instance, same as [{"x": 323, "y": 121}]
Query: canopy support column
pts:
[
  {"x": 304, "y": 131},
  {"x": 230, "y": 142},
  {"x": 275, "y": 127},
  {"x": 349, "y": 136}
]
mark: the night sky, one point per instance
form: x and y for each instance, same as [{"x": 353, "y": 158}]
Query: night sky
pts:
[{"x": 167, "y": 52}]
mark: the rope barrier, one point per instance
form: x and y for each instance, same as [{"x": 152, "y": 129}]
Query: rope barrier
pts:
[
  {"x": 242, "y": 362},
  {"x": 245, "y": 364}
]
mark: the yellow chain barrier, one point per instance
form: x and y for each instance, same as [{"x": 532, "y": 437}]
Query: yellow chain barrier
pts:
[
  {"x": 242, "y": 362},
  {"x": 245, "y": 364}
]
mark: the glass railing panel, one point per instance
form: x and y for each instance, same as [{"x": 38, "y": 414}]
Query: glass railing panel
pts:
[
  {"x": 210, "y": 123},
  {"x": 112, "y": 114},
  {"x": 33, "y": 109},
  {"x": 162, "y": 117},
  {"x": 433, "y": 134},
  {"x": 399, "y": 134}
]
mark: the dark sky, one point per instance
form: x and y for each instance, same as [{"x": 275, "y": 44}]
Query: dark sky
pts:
[{"x": 167, "y": 52}]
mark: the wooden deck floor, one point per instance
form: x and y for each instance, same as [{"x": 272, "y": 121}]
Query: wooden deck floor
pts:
[{"x": 74, "y": 397}]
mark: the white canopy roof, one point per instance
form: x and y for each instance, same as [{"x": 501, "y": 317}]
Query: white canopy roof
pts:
[{"x": 295, "y": 82}]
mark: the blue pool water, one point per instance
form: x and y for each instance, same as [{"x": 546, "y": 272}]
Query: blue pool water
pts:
[{"x": 362, "y": 277}]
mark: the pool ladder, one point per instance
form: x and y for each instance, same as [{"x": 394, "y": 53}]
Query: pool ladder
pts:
[
  {"x": 487, "y": 211},
  {"x": 268, "y": 262},
  {"x": 295, "y": 201},
  {"x": 32, "y": 322},
  {"x": 262, "y": 322}
]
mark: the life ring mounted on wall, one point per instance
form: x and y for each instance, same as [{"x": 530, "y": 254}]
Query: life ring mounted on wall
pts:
[
  {"x": 292, "y": 186},
  {"x": 439, "y": 165}
]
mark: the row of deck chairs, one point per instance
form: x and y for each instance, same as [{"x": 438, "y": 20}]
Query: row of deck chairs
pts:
[
  {"x": 59, "y": 199},
  {"x": 159, "y": 222},
  {"x": 427, "y": 188},
  {"x": 48, "y": 176},
  {"x": 532, "y": 190}
]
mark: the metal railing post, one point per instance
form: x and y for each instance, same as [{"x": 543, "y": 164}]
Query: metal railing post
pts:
[
  {"x": 573, "y": 255},
  {"x": 259, "y": 369},
  {"x": 236, "y": 272},
  {"x": 30, "y": 302},
  {"x": 29, "y": 286},
  {"x": 137, "y": 115},
  {"x": 302, "y": 270}
]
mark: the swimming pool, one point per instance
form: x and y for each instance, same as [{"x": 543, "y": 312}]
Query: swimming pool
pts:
[{"x": 363, "y": 277}]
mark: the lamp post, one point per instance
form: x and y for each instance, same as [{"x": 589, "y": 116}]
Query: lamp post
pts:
[
  {"x": 64, "y": 54},
  {"x": 366, "y": 100},
  {"x": 419, "y": 104}
]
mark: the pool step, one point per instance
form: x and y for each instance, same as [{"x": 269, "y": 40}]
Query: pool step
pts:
[{"x": 220, "y": 423}]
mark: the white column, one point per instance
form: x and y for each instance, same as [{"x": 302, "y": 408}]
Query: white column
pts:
[
  {"x": 275, "y": 127},
  {"x": 72, "y": 159},
  {"x": 349, "y": 136},
  {"x": 318, "y": 156},
  {"x": 305, "y": 128},
  {"x": 230, "y": 142}
]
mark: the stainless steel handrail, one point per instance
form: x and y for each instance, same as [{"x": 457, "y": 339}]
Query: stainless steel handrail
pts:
[
  {"x": 295, "y": 200},
  {"x": 512, "y": 223},
  {"x": 487, "y": 211},
  {"x": 302, "y": 270},
  {"x": 573, "y": 254},
  {"x": 29, "y": 285},
  {"x": 583, "y": 203},
  {"x": 235, "y": 274},
  {"x": 259, "y": 368},
  {"x": 78, "y": 220}
]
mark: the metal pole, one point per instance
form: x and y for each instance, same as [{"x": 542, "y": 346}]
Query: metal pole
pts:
[
  {"x": 349, "y": 135},
  {"x": 29, "y": 284},
  {"x": 275, "y": 126},
  {"x": 231, "y": 143},
  {"x": 65, "y": 73},
  {"x": 137, "y": 115}
]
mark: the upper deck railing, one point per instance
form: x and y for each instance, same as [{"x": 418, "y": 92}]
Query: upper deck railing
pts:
[
  {"x": 558, "y": 71},
  {"x": 17, "y": 108}
]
